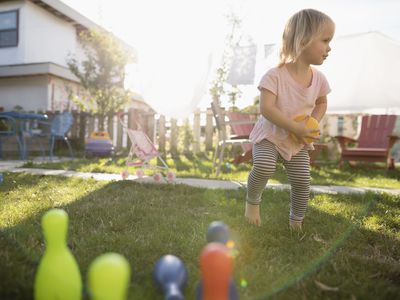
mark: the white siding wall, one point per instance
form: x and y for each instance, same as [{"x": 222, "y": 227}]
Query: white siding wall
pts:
[
  {"x": 43, "y": 37},
  {"x": 37, "y": 93},
  {"x": 59, "y": 94},
  {"x": 29, "y": 92},
  {"x": 13, "y": 55},
  {"x": 47, "y": 37}
]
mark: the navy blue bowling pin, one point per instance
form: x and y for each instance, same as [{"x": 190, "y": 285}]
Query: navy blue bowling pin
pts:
[
  {"x": 218, "y": 232},
  {"x": 170, "y": 275}
]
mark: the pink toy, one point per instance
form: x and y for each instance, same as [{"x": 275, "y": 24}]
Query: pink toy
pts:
[
  {"x": 125, "y": 174},
  {"x": 139, "y": 173},
  {"x": 171, "y": 177},
  {"x": 157, "y": 177},
  {"x": 143, "y": 152}
]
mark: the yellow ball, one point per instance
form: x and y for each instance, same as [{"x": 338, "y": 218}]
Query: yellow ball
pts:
[{"x": 311, "y": 123}]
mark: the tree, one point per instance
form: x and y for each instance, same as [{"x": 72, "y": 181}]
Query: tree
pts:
[
  {"x": 219, "y": 85},
  {"x": 102, "y": 74}
]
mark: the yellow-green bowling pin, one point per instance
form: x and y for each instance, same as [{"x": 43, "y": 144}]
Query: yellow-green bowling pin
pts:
[
  {"x": 58, "y": 275},
  {"x": 108, "y": 277}
]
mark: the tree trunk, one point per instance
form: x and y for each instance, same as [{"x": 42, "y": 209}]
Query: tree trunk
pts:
[{"x": 101, "y": 123}]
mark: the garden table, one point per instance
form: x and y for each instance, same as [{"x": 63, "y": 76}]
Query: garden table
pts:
[{"x": 23, "y": 121}]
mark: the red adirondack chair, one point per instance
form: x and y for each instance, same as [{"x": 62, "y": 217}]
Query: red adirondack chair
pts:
[
  {"x": 242, "y": 124},
  {"x": 374, "y": 143}
]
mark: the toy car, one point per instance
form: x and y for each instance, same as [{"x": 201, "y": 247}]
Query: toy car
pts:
[{"x": 99, "y": 143}]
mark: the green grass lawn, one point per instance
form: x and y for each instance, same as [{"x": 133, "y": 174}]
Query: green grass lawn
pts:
[
  {"x": 349, "y": 249},
  {"x": 363, "y": 175}
]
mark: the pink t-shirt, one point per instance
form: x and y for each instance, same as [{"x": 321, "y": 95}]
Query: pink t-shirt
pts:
[{"x": 292, "y": 100}]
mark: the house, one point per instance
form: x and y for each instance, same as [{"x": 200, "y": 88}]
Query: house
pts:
[{"x": 36, "y": 39}]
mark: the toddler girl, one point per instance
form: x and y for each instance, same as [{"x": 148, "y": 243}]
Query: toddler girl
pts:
[{"x": 291, "y": 89}]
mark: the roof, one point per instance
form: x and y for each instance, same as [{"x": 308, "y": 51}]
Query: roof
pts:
[
  {"x": 67, "y": 13},
  {"x": 63, "y": 11},
  {"x": 139, "y": 102},
  {"x": 35, "y": 69},
  {"x": 70, "y": 15}
]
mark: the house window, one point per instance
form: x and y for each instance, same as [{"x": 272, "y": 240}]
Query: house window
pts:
[{"x": 9, "y": 28}]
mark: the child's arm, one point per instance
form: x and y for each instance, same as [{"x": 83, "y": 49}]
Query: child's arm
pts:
[
  {"x": 271, "y": 112},
  {"x": 320, "y": 108}
]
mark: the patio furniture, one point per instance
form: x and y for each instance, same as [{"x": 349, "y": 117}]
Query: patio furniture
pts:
[
  {"x": 248, "y": 155},
  {"x": 58, "y": 129},
  {"x": 8, "y": 129},
  {"x": 23, "y": 122},
  {"x": 374, "y": 143},
  {"x": 240, "y": 125}
]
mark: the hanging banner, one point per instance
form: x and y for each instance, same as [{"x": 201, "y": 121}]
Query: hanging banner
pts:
[
  {"x": 242, "y": 69},
  {"x": 268, "y": 49}
]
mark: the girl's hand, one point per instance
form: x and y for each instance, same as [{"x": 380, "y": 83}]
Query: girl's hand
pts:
[{"x": 301, "y": 132}]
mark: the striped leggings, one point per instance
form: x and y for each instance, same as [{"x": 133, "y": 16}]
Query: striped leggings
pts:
[{"x": 265, "y": 158}]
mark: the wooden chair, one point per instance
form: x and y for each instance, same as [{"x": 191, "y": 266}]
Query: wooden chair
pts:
[
  {"x": 57, "y": 129},
  {"x": 374, "y": 143},
  {"x": 248, "y": 154},
  {"x": 240, "y": 124}
]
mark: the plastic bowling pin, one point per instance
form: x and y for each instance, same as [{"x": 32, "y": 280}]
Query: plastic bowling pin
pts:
[
  {"x": 216, "y": 273},
  {"x": 171, "y": 275},
  {"x": 218, "y": 232},
  {"x": 58, "y": 275},
  {"x": 108, "y": 277},
  {"x": 233, "y": 295}
]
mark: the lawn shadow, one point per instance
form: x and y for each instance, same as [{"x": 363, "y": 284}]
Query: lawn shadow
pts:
[
  {"x": 135, "y": 220},
  {"x": 145, "y": 221}
]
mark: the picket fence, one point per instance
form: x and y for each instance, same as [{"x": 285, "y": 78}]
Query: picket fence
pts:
[
  {"x": 201, "y": 134},
  {"x": 195, "y": 134}
]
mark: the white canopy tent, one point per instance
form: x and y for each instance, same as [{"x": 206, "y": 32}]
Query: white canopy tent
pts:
[{"x": 362, "y": 70}]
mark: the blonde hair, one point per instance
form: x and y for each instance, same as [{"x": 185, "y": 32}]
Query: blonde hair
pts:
[{"x": 300, "y": 30}]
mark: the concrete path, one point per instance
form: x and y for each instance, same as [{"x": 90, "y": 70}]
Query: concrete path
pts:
[{"x": 16, "y": 167}]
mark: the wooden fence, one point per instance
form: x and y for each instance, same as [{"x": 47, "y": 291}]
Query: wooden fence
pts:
[{"x": 195, "y": 134}]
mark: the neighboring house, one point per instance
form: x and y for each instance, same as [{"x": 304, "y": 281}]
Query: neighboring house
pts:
[{"x": 36, "y": 39}]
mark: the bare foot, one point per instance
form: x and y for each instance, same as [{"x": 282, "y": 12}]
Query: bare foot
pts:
[
  {"x": 252, "y": 214},
  {"x": 296, "y": 225}
]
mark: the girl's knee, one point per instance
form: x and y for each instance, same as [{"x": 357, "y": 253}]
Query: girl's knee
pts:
[
  {"x": 265, "y": 170},
  {"x": 301, "y": 181}
]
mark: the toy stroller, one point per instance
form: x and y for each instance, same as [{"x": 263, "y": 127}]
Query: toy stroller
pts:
[{"x": 142, "y": 151}]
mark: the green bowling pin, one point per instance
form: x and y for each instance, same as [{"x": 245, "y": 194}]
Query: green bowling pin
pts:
[
  {"x": 58, "y": 275},
  {"x": 108, "y": 277}
]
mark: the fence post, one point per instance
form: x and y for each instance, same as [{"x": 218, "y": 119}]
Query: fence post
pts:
[
  {"x": 174, "y": 138},
  {"x": 187, "y": 136},
  {"x": 209, "y": 130},
  {"x": 110, "y": 125},
  {"x": 75, "y": 125},
  {"x": 161, "y": 134},
  {"x": 90, "y": 124},
  {"x": 132, "y": 122},
  {"x": 150, "y": 126},
  {"x": 196, "y": 131},
  {"x": 82, "y": 127},
  {"x": 120, "y": 131}
]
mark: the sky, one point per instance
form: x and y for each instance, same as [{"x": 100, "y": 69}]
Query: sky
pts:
[{"x": 179, "y": 42}]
